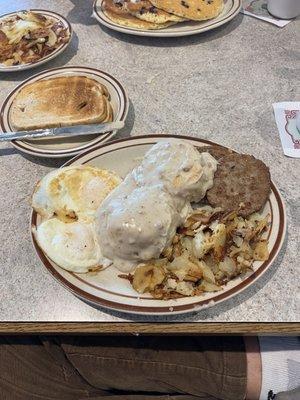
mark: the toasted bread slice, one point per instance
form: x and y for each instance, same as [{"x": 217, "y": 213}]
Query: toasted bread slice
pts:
[{"x": 61, "y": 101}]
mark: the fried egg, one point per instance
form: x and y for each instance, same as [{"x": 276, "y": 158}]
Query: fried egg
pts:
[
  {"x": 73, "y": 246},
  {"x": 73, "y": 193}
]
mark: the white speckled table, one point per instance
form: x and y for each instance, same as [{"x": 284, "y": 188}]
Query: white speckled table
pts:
[{"x": 220, "y": 86}]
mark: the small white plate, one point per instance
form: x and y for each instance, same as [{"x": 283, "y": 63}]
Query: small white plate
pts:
[
  {"x": 106, "y": 289},
  {"x": 55, "y": 53},
  {"x": 67, "y": 147},
  {"x": 231, "y": 9}
]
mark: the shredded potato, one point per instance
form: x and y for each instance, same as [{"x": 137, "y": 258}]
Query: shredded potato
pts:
[
  {"x": 210, "y": 249},
  {"x": 27, "y": 37}
]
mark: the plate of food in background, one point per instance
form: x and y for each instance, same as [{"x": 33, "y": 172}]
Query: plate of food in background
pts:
[
  {"x": 31, "y": 38},
  {"x": 165, "y": 18},
  {"x": 158, "y": 224},
  {"x": 64, "y": 96}
]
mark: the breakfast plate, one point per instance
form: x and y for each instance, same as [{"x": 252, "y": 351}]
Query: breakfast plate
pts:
[
  {"x": 66, "y": 147},
  {"x": 105, "y": 288},
  {"x": 230, "y": 10},
  {"x": 34, "y": 60}
]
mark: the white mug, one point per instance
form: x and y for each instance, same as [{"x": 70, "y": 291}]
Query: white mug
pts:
[{"x": 284, "y": 9}]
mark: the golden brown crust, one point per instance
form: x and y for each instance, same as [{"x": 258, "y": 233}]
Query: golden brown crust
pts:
[
  {"x": 198, "y": 10},
  {"x": 120, "y": 16},
  {"x": 60, "y": 101},
  {"x": 144, "y": 10}
]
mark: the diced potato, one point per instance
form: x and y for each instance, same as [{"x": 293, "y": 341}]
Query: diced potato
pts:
[
  {"x": 185, "y": 288},
  {"x": 207, "y": 272},
  {"x": 182, "y": 266},
  {"x": 228, "y": 267},
  {"x": 202, "y": 244},
  {"x": 261, "y": 252},
  {"x": 209, "y": 287},
  {"x": 146, "y": 277},
  {"x": 219, "y": 241}
]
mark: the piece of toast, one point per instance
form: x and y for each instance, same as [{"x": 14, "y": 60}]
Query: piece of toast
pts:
[{"x": 61, "y": 101}]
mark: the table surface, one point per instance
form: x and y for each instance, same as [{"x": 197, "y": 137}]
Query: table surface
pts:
[{"x": 219, "y": 86}]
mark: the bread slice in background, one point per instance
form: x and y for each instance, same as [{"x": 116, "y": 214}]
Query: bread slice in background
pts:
[{"x": 61, "y": 101}]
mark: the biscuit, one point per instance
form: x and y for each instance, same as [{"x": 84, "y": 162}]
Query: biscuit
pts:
[{"x": 197, "y": 10}]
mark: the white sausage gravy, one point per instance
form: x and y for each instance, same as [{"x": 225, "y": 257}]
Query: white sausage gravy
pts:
[{"x": 139, "y": 218}]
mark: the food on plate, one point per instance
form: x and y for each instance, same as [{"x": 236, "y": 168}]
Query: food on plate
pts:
[
  {"x": 138, "y": 220},
  {"x": 210, "y": 249},
  {"x": 198, "y": 10},
  {"x": 73, "y": 246},
  {"x": 150, "y": 14},
  {"x": 159, "y": 226},
  {"x": 61, "y": 101},
  {"x": 137, "y": 226},
  {"x": 217, "y": 151},
  {"x": 27, "y": 37},
  {"x": 241, "y": 183},
  {"x": 67, "y": 199},
  {"x": 178, "y": 166},
  {"x": 117, "y": 12},
  {"x": 145, "y": 10},
  {"x": 73, "y": 193}
]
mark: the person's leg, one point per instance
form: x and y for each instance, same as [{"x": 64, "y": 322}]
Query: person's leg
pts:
[
  {"x": 31, "y": 368},
  {"x": 193, "y": 366},
  {"x": 254, "y": 369},
  {"x": 280, "y": 360},
  {"x": 273, "y": 368}
]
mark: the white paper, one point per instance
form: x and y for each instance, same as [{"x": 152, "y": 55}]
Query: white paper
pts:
[
  {"x": 258, "y": 9},
  {"x": 285, "y": 115}
]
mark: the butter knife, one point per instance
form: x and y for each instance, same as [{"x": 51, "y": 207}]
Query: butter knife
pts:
[{"x": 65, "y": 131}]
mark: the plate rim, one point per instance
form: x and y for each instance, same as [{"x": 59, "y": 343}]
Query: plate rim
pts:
[
  {"x": 55, "y": 53},
  {"x": 164, "y": 310},
  {"x": 71, "y": 152},
  {"x": 99, "y": 16}
]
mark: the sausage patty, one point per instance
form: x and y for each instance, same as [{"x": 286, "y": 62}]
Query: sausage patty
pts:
[{"x": 241, "y": 182}]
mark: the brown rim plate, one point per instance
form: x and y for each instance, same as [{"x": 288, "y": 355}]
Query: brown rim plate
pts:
[
  {"x": 107, "y": 290},
  {"x": 231, "y": 9},
  {"x": 55, "y": 53},
  {"x": 67, "y": 147}
]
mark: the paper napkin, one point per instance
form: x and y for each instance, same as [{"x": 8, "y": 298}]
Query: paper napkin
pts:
[
  {"x": 285, "y": 115},
  {"x": 258, "y": 9}
]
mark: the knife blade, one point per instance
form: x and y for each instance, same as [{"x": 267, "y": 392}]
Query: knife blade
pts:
[{"x": 65, "y": 131}]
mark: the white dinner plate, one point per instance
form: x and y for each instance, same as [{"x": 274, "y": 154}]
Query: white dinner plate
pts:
[
  {"x": 230, "y": 10},
  {"x": 106, "y": 289},
  {"x": 67, "y": 147},
  {"x": 55, "y": 53}
]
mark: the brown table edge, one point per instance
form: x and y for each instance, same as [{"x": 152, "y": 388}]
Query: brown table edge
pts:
[{"x": 120, "y": 328}]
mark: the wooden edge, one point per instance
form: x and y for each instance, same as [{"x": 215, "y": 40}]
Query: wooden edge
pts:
[{"x": 119, "y": 328}]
